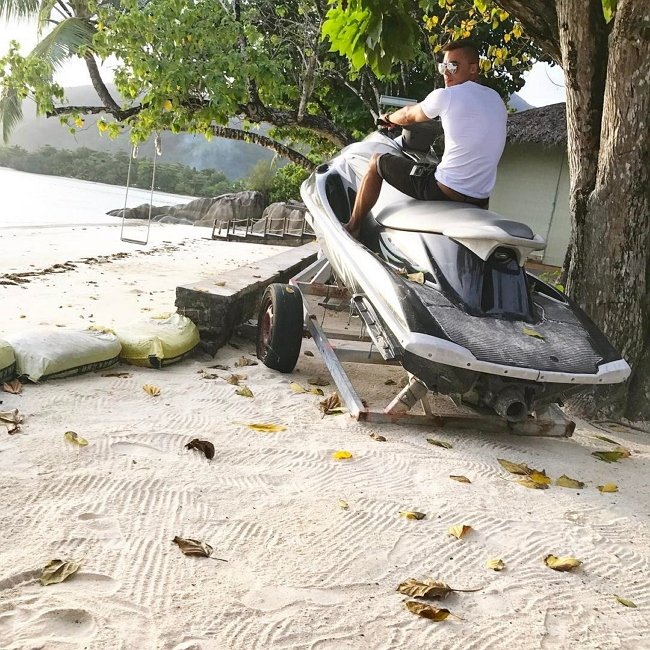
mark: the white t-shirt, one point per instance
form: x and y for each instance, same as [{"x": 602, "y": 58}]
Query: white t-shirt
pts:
[{"x": 474, "y": 120}]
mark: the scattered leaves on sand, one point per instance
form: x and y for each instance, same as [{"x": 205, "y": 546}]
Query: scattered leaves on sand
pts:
[
  {"x": 412, "y": 514},
  {"x": 75, "y": 439},
  {"x": 611, "y": 456},
  {"x": 318, "y": 381},
  {"x": 427, "y": 611},
  {"x": 375, "y": 436},
  {"x": 120, "y": 375},
  {"x": 459, "y": 531},
  {"x": 562, "y": 563},
  {"x": 567, "y": 482},
  {"x": 204, "y": 446},
  {"x": 439, "y": 443},
  {"x": 297, "y": 388},
  {"x": 459, "y": 478},
  {"x": 235, "y": 378},
  {"x": 533, "y": 485},
  {"x": 608, "y": 487},
  {"x": 266, "y": 428},
  {"x": 343, "y": 504},
  {"x": 533, "y": 333},
  {"x": 152, "y": 390},
  {"x": 193, "y": 547},
  {"x": 341, "y": 454},
  {"x": 428, "y": 588},
  {"x": 11, "y": 420},
  {"x": 57, "y": 571},
  {"x": 625, "y": 601},
  {"x": 245, "y": 361},
  {"x": 244, "y": 391},
  {"x": 495, "y": 564},
  {"x": 14, "y": 387},
  {"x": 331, "y": 404}
]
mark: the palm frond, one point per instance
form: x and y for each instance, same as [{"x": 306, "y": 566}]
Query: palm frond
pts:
[
  {"x": 11, "y": 111},
  {"x": 45, "y": 13},
  {"x": 65, "y": 40},
  {"x": 18, "y": 8}
]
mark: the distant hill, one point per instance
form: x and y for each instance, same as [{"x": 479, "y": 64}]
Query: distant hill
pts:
[
  {"x": 518, "y": 104},
  {"x": 234, "y": 158}
]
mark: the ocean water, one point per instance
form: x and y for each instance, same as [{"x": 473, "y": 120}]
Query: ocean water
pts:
[{"x": 32, "y": 200}]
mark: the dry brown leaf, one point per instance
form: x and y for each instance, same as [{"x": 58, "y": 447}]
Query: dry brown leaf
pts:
[
  {"x": 343, "y": 504},
  {"x": 495, "y": 564},
  {"x": 427, "y": 611},
  {"x": 245, "y": 361},
  {"x": 625, "y": 601},
  {"x": 567, "y": 482},
  {"x": 412, "y": 514},
  {"x": 244, "y": 391},
  {"x": 375, "y": 436},
  {"x": 75, "y": 439},
  {"x": 416, "y": 277},
  {"x": 121, "y": 375},
  {"x": 308, "y": 353},
  {"x": 235, "y": 378},
  {"x": 428, "y": 588},
  {"x": 14, "y": 387},
  {"x": 608, "y": 487},
  {"x": 533, "y": 485},
  {"x": 390, "y": 382},
  {"x": 330, "y": 404},
  {"x": 193, "y": 547},
  {"x": 266, "y": 428},
  {"x": 11, "y": 420},
  {"x": 341, "y": 454},
  {"x": 459, "y": 478},
  {"x": 318, "y": 381},
  {"x": 204, "y": 446},
  {"x": 219, "y": 366},
  {"x": 439, "y": 443},
  {"x": 562, "y": 563},
  {"x": 459, "y": 531},
  {"x": 56, "y": 571},
  {"x": 152, "y": 390}
]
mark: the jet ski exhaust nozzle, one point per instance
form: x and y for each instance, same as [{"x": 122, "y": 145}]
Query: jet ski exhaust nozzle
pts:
[{"x": 510, "y": 404}]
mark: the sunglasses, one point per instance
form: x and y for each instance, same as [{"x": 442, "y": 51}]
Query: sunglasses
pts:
[{"x": 452, "y": 66}]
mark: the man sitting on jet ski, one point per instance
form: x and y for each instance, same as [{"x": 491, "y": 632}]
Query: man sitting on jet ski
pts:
[{"x": 474, "y": 122}]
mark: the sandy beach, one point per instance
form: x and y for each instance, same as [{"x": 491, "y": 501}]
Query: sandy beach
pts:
[{"x": 301, "y": 570}]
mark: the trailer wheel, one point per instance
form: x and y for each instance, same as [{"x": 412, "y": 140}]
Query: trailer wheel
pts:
[{"x": 280, "y": 325}]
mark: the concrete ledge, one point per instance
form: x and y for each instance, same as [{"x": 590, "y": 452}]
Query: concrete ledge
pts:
[{"x": 217, "y": 307}]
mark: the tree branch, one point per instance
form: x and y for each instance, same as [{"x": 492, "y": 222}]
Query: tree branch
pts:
[{"x": 98, "y": 84}]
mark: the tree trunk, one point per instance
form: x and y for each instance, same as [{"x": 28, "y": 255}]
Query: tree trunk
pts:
[{"x": 611, "y": 276}]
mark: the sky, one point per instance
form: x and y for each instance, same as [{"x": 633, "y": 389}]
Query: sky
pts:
[{"x": 544, "y": 84}]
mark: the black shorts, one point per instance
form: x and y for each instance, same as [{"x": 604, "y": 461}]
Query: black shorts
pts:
[{"x": 398, "y": 172}]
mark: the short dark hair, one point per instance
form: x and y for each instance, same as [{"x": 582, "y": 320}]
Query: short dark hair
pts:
[{"x": 468, "y": 47}]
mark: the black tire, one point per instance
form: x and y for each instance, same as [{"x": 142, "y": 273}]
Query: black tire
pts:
[{"x": 280, "y": 325}]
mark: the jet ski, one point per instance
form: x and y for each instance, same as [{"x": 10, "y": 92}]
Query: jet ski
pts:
[{"x": 444, "y": 290}]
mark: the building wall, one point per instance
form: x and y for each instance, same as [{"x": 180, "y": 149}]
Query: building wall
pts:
[{"x": 533, "y": 187}]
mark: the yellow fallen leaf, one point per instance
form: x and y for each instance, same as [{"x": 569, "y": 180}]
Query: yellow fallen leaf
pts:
[
  {"x": 266, "y": 428},
  {"x": 152, "y": 390},
  {"x": 565, "y": 481},
  {"x": 297, "y": 388},
  {"x": 625, "y": 601},
  {"x": 460, "y": 479},
  {"x": 495, "y": 564},
  {"x": 72, "y": 437},
  {"x": 529, "y": 483},
  {"x": 341, "y": 455},
  {"x": 608, "y": 487},
  {"x": 57, "y": 571},
  {"x": 459, "y": 531},
  {"x": 562, "y": 563},
  {"x": 431, "y": 589},
  {"x": 539, "y": 477},
  {"x": 612, "y": 456},
  {"x": 343, "y": 504},
  {"x": 534, "y": 334},
  {"x": 427, "y": 611},
  {"x": 412, "y": 514},
  {"x": 244, "y": 391},
  {"x": 514, "y": 468},
  {"x": 416, "y": 277}
]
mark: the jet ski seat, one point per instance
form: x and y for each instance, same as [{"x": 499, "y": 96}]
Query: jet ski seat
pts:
[{"x": 440, "y": 217}]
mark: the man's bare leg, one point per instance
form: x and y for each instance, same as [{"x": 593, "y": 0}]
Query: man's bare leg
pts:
[{"x": 367, "y": 196}]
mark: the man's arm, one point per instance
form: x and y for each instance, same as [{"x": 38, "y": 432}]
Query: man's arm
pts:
[{"x": 405, "y": 116}]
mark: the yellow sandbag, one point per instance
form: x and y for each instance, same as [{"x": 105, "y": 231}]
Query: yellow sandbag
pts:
[
  {"x": 157, "y": 342},
  {"x": 7, "y": 361}
]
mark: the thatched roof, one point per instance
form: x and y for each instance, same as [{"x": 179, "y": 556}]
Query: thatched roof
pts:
[{"x": 545, "y": 125}]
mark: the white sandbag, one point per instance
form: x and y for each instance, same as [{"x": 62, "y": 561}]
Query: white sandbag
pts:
[
  {"x": 49, "y": 354},
  {"x": 7, "y": 361},
  {"x": 157, "y": 342}
]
